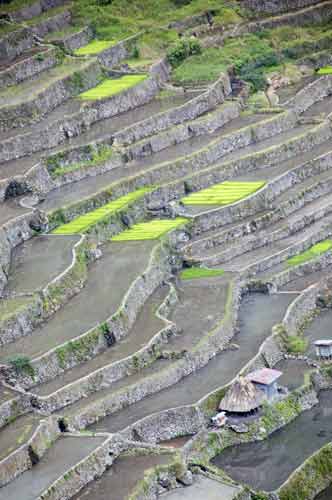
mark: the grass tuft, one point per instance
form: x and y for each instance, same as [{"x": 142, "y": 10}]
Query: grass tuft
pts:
[
  {"x": 112, "y": 86},
  {"x": 150, "y": 230},
  {"x": 223, "y": 194},
  {"x": 193, "y": 273},
  {"x": 84, "y": 222},
  {"x": 313, "y": 252}
]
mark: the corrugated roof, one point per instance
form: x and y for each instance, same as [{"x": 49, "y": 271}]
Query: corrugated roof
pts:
[
  {"x": 265, "y": 376},
  {"x": 323, "y": 342}
]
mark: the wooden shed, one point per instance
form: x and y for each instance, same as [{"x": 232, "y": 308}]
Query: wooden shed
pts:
[
  {"x": 265, "y": 379},
  {"x": 242, "y": 398}
]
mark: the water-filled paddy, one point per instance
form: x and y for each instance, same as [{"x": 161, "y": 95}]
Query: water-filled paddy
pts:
[{"x": 267, "y": 464}]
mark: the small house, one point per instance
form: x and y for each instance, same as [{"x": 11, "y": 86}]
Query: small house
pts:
[
  {"x": 243, "y": 398},
  {"x": 323, "y": 349},
  {"x": 265, "y": 379}
]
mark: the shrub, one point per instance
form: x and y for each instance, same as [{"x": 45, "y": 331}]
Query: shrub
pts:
[
  {"x": 184, "y": 48},
  {"x": 22, "y": 365}
]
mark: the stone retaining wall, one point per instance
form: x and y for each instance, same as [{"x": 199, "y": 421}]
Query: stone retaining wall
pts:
[
  {"x": 29, "y": 67},
  {"x": 108, "y": 374},
  {"x": 57, "y": 22},
  {"x": 96, "y": 340},
  {"x": 35, "y": 9},
  {"x": 309, "y": 95},
  {"x": 277, "y": 6},
  {"x": 87, "y": 470},
  {"x": 15, "y": 43},
  {"x": 311, "y": 478},
  {"x": 118, "y": 52},
  {"x": 73, "y": 125},
  {"x": 166, "y": 425},
  {"x": 20, "y": 460},
  {"x": 302, "y": 308},
  {"x": 76, "y": 40},
  {"x": 203, "y": 103},
  {"x": 59, "y": 91},
  {"x": 207, "y": 348}
]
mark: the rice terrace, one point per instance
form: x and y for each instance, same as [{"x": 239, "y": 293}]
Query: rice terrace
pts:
[{"x": 166, "y": 249}]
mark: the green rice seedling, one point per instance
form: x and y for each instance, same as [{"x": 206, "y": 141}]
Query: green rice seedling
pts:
[
  {"x": 327, "y": 70},
  {"x": 94, "y": 47},
  {"x": 223, "y": 194},
  {"x": 82, "y": 223},
  {"x": 112, "y": 86},
  {"x": 193, "y": 273},
  {"x": 313, "y": 252},
  {"x": 150, "y": 230}
]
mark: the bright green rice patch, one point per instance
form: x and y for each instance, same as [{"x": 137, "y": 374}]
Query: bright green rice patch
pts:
[
  {"x": 313, "y": 252},
  {"x": 223, "y": 194},
  {"x": 327, "y": 70},
  {"x": 112, "y": 86},
  {"x": 84, "y": 222},
  {"x": 193, "y": 273},
  {"x": 93, "y": 47},
  {"x": 150, "y": 230}
]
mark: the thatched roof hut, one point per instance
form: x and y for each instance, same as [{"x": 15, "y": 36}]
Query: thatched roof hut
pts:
[{"x": 242, "y": 397}]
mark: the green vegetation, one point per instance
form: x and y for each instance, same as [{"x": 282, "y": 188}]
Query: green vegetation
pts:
[
  {"x": 295, "y": 344},
  {"x": 98, "y": 156},
  {"x": 327, "y": 70},
  {"x": 150, "y": 230},
  {"x": 311, "y": 253},
  {"x": 200, "y": 272},
  {"x": 22, "y": 365},
  {"x": 93, "y": 47},
  {"x": 117, "y": 19},
  {"x": 10, "y": 307},
  {"x": 84, "y": 222},
  {"x": 223, "y": 194},
  {"x": 112, "y": 86},
  {"x": 182, "y": 50}
]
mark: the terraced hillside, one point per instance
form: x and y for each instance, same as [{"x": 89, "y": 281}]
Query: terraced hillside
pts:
[{"x": 165, "y": 227}]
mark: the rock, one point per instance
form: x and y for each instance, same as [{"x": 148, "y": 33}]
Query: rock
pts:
[
  {"x": 240, "y": 428},
  {"x": 186, "y": 479}
]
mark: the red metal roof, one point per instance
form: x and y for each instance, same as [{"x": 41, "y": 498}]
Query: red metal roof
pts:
[{"x": 265, "y": 376}]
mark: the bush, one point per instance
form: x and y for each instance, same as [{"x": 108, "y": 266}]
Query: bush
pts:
[
  {"x": 185, "y": 48},
  {"x": 22, "y": 365}
]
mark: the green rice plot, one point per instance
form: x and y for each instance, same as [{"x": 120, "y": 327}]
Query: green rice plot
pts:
[
  {"x": 84, "y": 222},
  {"x": 223, "y": 194},
  {"x": 327, "y": 70},
  {"x": 313, "y": 252},
  {"x": 94, "y": 47},
  {"x": 112, "y": 86},
  {"x": 150, "y": 230},
  {"x": 193, "y": 273}
]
